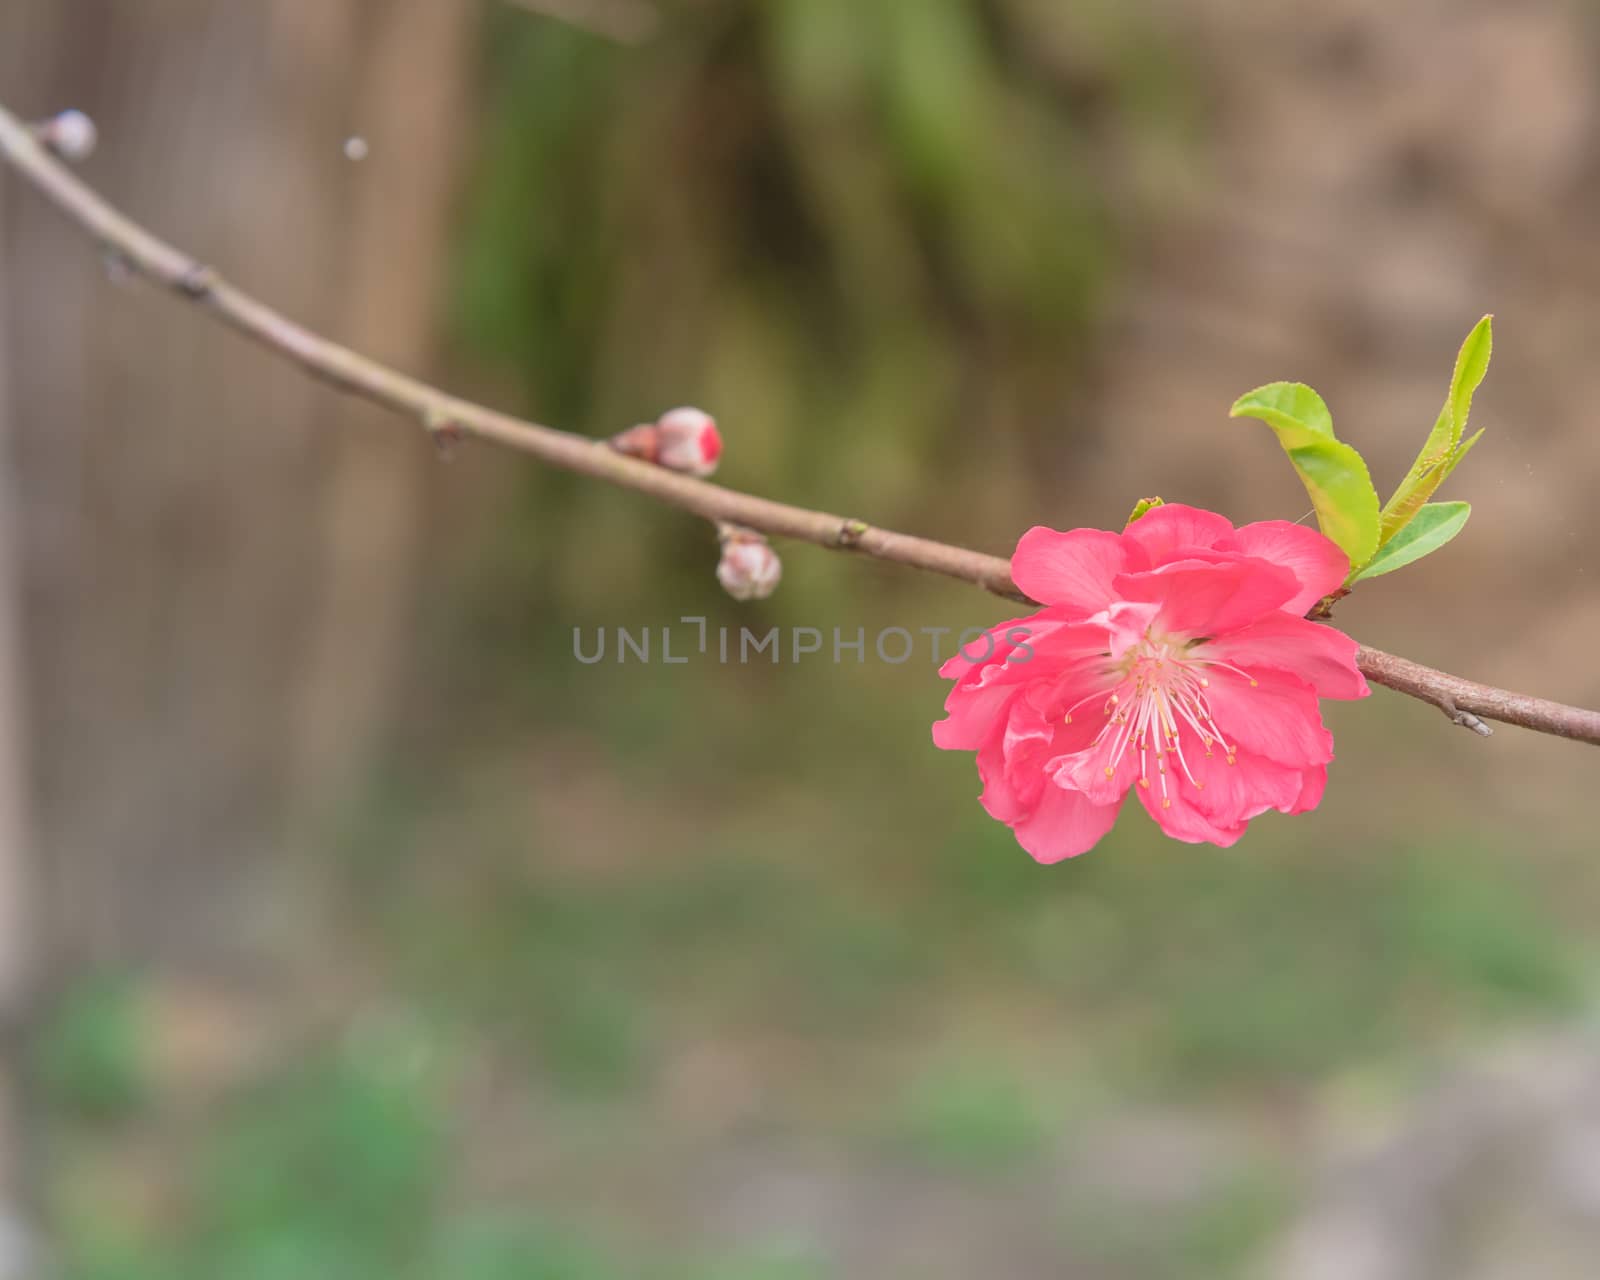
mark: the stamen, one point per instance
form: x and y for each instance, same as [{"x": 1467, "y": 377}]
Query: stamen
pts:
[
  {"x": 1067, "y": 718},
  {"x": 1227, "y": 666},
  {"x": 1167, "y": 689}
]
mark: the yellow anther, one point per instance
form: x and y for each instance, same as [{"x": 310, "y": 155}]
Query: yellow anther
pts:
[
  {"x": 1231, "y": 759},
  {"x": 1166, "y": 802},
  {"x": 1110, "y": 772},
  {"x": 1145, "y": 783}
]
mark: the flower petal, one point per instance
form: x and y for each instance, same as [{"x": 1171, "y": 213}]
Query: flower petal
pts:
[
  {"x": 1172, "y": 528},
  {"x": 1208, "y": 598},
  {"x": 1181, "y": 819},
  {"x": 996, "y": 646},
  {"x": 1320, "y": 655},
  {"x": 1125, "y": 624},
  {"x": 1071, "y": 570},
  {"x": 1000, "y": 798},
  {"x": 1064, "y": 825},
  {"x": 1315, "y": 560},
  {"x": 1012, "y": 762},
  {"x": 1090, "y": 771},
  {"x": 976, "y": 716},
  {"x": 1276, "y": 716},
  {"x": 1313, "y": 782},
  {"x": 1235, "y": 793},
  {"x": 1165, "y": 532}
]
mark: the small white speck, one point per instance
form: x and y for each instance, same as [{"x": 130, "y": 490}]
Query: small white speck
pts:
[
  {"x": 71, "y": 135},
  {"x": 355, "y": 148}
]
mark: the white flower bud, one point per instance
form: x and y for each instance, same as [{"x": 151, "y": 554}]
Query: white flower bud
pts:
[{"x": 749, "y": 568}]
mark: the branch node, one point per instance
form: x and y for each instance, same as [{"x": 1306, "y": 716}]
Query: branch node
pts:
[
  {"x": 197, "y": 282},
  {"x": 851, "y": 532},
  {"x": 445, "y": 433},
  {"x": 1465, "y": 719},
  {"x": 1322, "y": 611},
  {"x": 120, "y": 269}
]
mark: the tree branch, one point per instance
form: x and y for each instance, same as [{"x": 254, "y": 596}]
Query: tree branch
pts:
[{"x": 439, "y": 412}]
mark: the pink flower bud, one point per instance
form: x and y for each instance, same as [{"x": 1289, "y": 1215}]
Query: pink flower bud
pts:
[
  {"x": 749, "y": 568},
  {"x": 687, "y": 440},
  {"x": 71, "y": 135}
]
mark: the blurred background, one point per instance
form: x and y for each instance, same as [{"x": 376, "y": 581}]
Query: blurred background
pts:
[{"x": 352, "y": 928}]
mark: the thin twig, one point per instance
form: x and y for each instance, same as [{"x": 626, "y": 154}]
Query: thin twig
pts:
[{"x": 1464, "y": 701}]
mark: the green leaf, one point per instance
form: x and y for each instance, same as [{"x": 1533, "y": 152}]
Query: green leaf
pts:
[
  {"x": 1292, "y": 409},
  {"x": 1433, "y": 526},
  {"x": 1333, "y": 473},
  {"x": 1336, "y": 478},
  {"x": 1143, "y": 505},
  {"x": 1443, "y": 448},
  {"x": 1472, "y": 363}
]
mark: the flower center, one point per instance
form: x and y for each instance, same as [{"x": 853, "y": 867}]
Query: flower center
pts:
[{"x": 1160, "y": 696}]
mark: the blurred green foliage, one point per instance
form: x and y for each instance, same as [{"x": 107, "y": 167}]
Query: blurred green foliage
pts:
[
  {"x": 1215, "y": 1234},
  {"x": 1145, "y": 976},
  {"x": 90, "y": 1060},
  {"x": 970, "y": 1117}
]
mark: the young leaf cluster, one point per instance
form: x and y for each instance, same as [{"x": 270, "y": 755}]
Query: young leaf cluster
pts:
[{"x": 1377, "y": 539}]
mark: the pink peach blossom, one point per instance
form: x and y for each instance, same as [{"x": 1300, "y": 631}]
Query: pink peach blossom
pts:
[{"x": 1171, "y": 659}]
